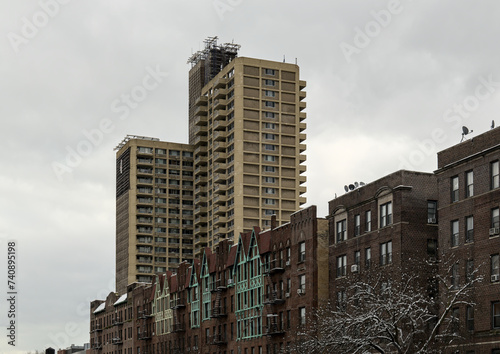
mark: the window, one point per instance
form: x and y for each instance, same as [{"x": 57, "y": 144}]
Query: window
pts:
[
  {"x": 271, "y": 72},
  {"x": 302, "y": 251},
  {"x": 270, "y": 190},
  {"x": 269, "y": 93},
  {"x": 270, "y": 114},
  {"x": 302, "y": 316},
  {"x": 357, "y": 225},
  {"x": 455, "y": 277},
  {"x": 341, "y": 230},
  {"x": 341, "y": 300},
  {"x": 368, "y": 257},
  {"x": 357, "y": 257},
  {"x": 269, "y": 82},
  {"x": 269, "y": 136},
  {"x": 270, "y": 147},
  {"x": 341, "y": 266},
  {"x": 269, "y": 169},
  {"x": 302, "y": 283},
  {"x": 469, "y": 231},
  {"x": 495, "y": 179},
  {"x": 431, "y": 212},
  {"x": 269, "y": 201},
  {"x": 269, "y": 179},
  {"x": 270, "y": 104},
  {"x": 455, "y": 319},
  {"x": 469, "y": 270},
  {"x": 454, "y": 233},
  {"x": 469, "y": 319},
  {"x": 495, "y": 270},
  {"x": 495, "y": 221},
  {"x": 269, "y": 158},
  {"x": 386, "y": 214},
  {"x": 454, "y": 189},
  {"x": 432, "y": 248},
  {"x": 368, "y": 221},
  {"x": 469, "y": 184},
  {"x": 386, "y": 253},
  {"x": 495, "y": 314},
  {"x": 269, "y": 125}
]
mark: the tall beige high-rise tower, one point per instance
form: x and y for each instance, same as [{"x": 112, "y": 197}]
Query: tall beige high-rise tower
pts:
[
  {"x": 247, "y": 130},
  {"x": 243, "y": 164}
]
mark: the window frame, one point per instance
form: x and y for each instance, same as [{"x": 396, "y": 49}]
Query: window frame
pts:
[
  {"x": 454, "y": 236},
  {"x": 357, "y": 225},
  {"x": 341, "y": 266},
  {"x": 494, "y": 174},
  {"x": 469, "y": 184},
  {"x": 385, "y": 214},
  {"x": 495, "y": 314},
  {"x": 454, "y": 189},
  {"x": 385, "y": 253},
  {"x": 368, "y": 221},
  {"x": 469, "y": 229},
  {"x": 341, "y": 230}
]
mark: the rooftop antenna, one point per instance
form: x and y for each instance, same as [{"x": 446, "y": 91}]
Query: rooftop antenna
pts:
[
  {"x": 362, "y": 184},
  {"x": 346, "y": 188},
  {"x": 351, "y": 187},
  {"x": 283, "y": 58},
  {"x": 295, "y": 61},
  {"x": 492, "y": 124},
  {"x": 465, "y": 131},
  {"x": 356, "y": 184}
]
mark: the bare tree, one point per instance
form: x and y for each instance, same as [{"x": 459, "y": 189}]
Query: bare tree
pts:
[{"x": 379, "y": 313}]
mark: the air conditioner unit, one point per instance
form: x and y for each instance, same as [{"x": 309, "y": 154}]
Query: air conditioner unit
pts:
[
  {"x": 431, "y": 220},
  {"x": 300, "y": 292},
  {"x": 287, "y": 294},
  {"x": 287, "y": 263},
  {"x": 229, "y": 281},
  {"x": 354, "y": 268},
  {"x": 495, "y": 278},
  {"x": 494, "y": 231}
]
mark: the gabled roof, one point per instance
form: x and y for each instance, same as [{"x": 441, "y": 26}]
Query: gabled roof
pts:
[
  {"x": 232, "y": 255},
  {"x": 264, "y": 242},
  {"x": 100, "y": 308},
  {"x": 122, "y": 299}
]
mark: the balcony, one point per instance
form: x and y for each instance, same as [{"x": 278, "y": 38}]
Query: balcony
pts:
[
  {"x": 201, "y": 101},
  {"x": 219, "y": 115},
  {"x": 98, "y": 327},
  {"x": 221, "y": 82},
  {"x": 177, "y": 304},
  {"x": 220, "y": 146},
  {"x": 275, "y": 297},
  {"x": 302, "y": 95},
  {"x": 201, "y": 111},
  {"x": 144, "y": 335},
  {"x": 144, "y": 161},
  {"x": 274, "y": 329},
  {"x": 201, "y": 130},
  {"x": 220, "y": 104},
  {"x": 117, "y": 341},
  {"x": 276, "y": 266},
  {"x": 219, "y": 177},
  {"x": 178, "y": 327},
  {"x": 200, "y": 140},
  {"x": 220, "y": 157},
  {"x": 147, "y": 171},
  {"x": 118, "y": 321},
  {"x": 302, "y": 126},
  {"x": 220, "y": 209},
  {"x": 219, "y": 135},
  {"x": 220, "y": 284},
  {"x": 218, "y": 312},
  {"x": 145, "y": 180},
  {"x": 200, "y": 210},
  {"x": 220, "y": 93},
  {"x": 219, "y": 339}
]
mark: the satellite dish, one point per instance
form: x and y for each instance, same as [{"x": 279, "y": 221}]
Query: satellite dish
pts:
[
  {"x": 356, "y": 184},
  {"x": 361, "y": 184},
  {"x": 465, "y": 131},
  {"x": 346, "y": 188},
  {"x": 492, "y": 124},
  {"x": 351, "y": 187}
]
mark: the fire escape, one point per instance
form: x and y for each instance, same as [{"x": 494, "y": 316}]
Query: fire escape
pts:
[
  {"x": 219, "y": 312},
  {"x": 274, "y": 296},
  {"x": 145, "y": 333},
  {"x": 97, "y": 337},
  {"x": 178, "y": 327},
  {"x": 117, "y": 323}
]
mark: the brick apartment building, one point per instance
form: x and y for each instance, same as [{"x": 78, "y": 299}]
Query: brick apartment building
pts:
[
  {"x": 469, "y": 202},
  {"x": 249, "y": 297},
  {"x": 381, "y": 227}
]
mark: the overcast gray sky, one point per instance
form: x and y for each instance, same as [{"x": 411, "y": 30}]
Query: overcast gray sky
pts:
[{"x": 389, "y": 83}]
